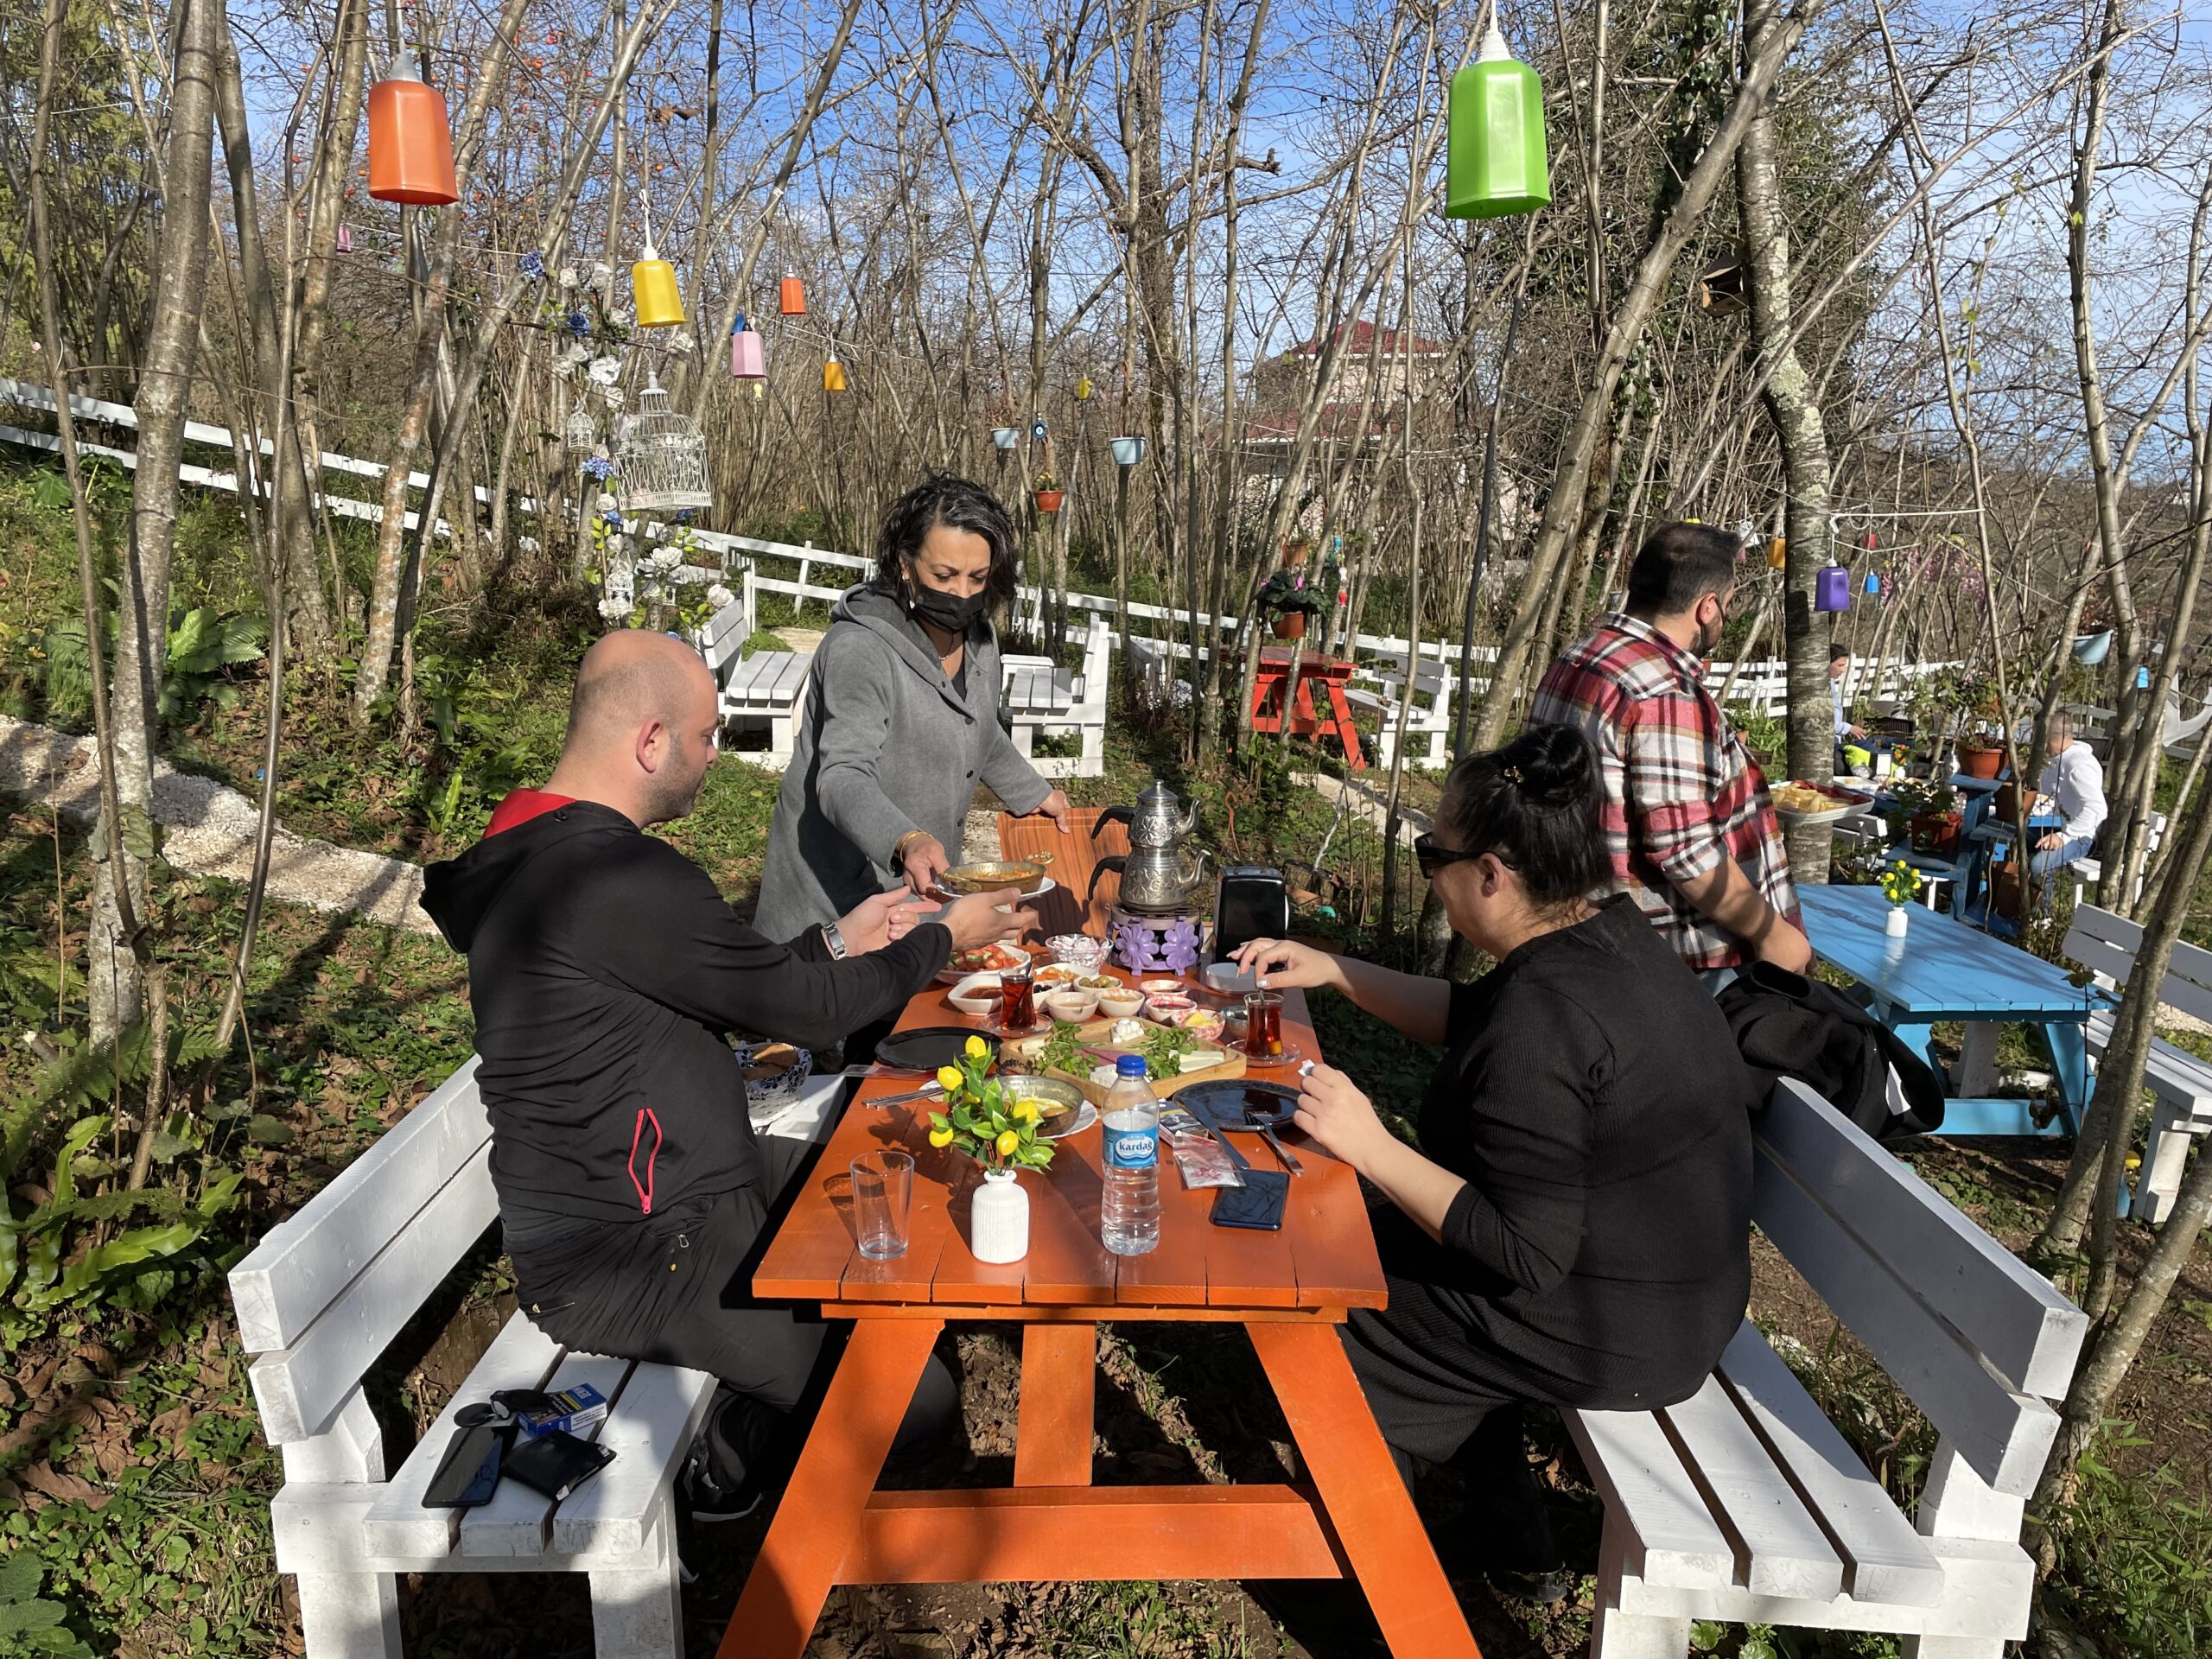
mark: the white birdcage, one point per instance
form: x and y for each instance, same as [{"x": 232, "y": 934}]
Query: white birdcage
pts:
[
  {"x": 661, "y": 455},
  {"x": 583, "y": 432}
]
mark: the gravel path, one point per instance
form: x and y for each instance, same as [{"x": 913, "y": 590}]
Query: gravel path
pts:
[{"x": 209, "y": 830}]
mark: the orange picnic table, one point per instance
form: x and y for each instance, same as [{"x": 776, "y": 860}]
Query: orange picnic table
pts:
[
  {"x": 1271, "y": 685},
  {"x": 1289, "y": 1289}
]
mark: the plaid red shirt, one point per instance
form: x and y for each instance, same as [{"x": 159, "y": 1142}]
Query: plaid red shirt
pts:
[{"x": 1681, "y": 792}]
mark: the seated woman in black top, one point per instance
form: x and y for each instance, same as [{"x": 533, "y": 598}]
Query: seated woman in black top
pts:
[{"x": 1574, "y": 1229}]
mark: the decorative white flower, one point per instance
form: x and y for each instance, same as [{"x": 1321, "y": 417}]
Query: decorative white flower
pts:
[
  {"x": 602, "y": 274},
  {"x": 614, "y": 609},
  {"x": 603, "y": 369},
  {"x": 606, "y": 501},
  {"x": 615, "y": 396},
  {"x": 666, "y": 558},
  {"x": 568, "y": 275},
  {"x": 718, "y": 596},
  {"x": 622, "y": 317},
  {"x": 681, "y": 341}
]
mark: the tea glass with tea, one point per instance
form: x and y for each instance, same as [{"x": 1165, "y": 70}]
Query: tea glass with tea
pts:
[
  {"x": 1018, "y": 997},
  {"x": 1263, "y": 1025}
]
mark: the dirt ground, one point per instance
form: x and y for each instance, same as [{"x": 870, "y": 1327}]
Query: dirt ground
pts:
[{"x": 1188, "y": 1404}]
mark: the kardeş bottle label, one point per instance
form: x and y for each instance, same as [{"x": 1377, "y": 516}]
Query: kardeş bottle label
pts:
[{"x": 1132, "y": 1149}]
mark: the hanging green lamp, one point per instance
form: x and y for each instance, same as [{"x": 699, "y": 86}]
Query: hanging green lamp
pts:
[{"x": 1495, "y": 163}]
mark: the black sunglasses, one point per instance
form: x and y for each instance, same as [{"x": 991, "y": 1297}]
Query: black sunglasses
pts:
[{"x": 1432, "y": 857}]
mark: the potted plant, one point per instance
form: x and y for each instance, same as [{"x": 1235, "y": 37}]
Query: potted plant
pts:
[
  {"x": 1290, "y": 596},
  {"x": 1128, "y": 451},
  {"x": 1048, "y": 493},
  {"x": 1931, "y": 813},
  {"x": 984, "y": 1120},
  {"x": 1901, "y": 885}
]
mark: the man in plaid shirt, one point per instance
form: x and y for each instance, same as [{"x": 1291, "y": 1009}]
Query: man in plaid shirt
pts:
[{"x": 1692, "y": 832}]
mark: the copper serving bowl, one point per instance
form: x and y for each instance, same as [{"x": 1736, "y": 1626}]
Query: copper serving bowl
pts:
[{"x": 1025, "y": 874}]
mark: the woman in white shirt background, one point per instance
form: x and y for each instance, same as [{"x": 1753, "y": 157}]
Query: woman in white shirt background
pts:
[{"x": 2073, "y": 787}]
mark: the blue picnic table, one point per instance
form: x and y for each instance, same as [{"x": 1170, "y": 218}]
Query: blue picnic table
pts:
[{"x": 1943, "y": 969}]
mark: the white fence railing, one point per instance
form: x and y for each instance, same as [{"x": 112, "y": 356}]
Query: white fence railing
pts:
[{"x": 1762, "y": 686}]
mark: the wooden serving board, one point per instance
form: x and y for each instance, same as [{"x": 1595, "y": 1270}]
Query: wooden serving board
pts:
[{"x": 1094, "y": 1032}]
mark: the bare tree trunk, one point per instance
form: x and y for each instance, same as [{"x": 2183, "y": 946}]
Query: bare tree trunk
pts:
[
  {"x": 1563, "y": 506},
  {"x": 143, "y": 572},
  {"x": 1798, "y": 431}
]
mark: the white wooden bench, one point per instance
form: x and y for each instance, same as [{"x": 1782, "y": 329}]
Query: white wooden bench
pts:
[
  {"x": 1042, "y": 697},
  {"x": 319, "y": 1299},
  {"x": 1428, "y": 724},
  {"x": 2089, "y": 872},
  {"x": 1152, "y": 670},
  {"x": 769, "y": 686},
  {"x": 1745, "y": 1504},
  {"x": 2180, "y": 1083}
]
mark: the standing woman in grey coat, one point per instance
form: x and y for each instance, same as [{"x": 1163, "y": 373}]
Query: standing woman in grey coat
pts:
[{"x": 904, "y": 720}]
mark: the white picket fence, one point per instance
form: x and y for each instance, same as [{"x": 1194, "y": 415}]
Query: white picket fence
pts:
[{"x": 1761, "y": 686}]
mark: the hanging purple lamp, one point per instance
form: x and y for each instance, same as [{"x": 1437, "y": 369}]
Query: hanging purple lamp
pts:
[{"x": 1832, "y": 590}]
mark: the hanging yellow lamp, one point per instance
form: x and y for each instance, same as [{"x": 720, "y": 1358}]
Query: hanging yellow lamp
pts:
[
  {"x": 1495, "y": 161},
  {"x": 1082, "y": 389},
  {"x": 652, "y": 280},
  {"x": 1777, "y": 554},
  {"x": 833, "y": 377}
]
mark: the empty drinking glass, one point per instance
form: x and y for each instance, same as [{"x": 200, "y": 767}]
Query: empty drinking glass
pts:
[{"x": 883, "y": 1194}]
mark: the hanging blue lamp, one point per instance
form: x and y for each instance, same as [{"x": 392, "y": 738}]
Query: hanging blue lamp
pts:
[
  {"x": 1495, "y": 163},
  {"x": 1873, "y": 584}
]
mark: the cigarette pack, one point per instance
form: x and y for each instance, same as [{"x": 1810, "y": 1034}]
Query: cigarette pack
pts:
[{"x": 569, "y": 1410}]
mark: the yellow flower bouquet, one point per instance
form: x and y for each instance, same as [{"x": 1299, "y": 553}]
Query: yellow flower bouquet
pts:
[
  {"x": 983, "y": 1119},
  {"x": 1901, "y": 883}
]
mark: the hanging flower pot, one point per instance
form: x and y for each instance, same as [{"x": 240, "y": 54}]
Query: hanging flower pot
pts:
[
  {"x": 653, "y": 283},
  {"x": 1049, "y": 500},
  {"x": 410, "y": 141},
  {"x": 1495, "y": 163},
  {"x": 1005, "y": 436},
  {"x": 1777, "y": 554},
  {"x": 1832, "y": 589},
  {"x": 1291, "y": 625},
  {"x": 2092, "y": 649},
  {"x": 748, "y": 357},
  {"x": 833, "y": 377},
  {"x": 1127, "y": 451},
  {"x": 791, "y": 298}
]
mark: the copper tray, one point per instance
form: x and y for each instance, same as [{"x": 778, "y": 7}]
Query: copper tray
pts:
[{"x": 1024, "y": 874}]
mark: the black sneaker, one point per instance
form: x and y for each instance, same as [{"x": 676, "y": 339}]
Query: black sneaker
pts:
[
  {"x": 708, "y": 1499},
  {"x": 1546, "y": 1589}
]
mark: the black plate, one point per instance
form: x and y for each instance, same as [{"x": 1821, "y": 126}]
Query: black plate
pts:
[
  {"x": 1238, "y": 1103},
  {"x": 925, "y": 1048}
]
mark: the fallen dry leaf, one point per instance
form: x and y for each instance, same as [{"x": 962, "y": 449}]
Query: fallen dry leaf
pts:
[
  {"x": 172, "y": 1425},
  {"x": 63, "y": 1486}
]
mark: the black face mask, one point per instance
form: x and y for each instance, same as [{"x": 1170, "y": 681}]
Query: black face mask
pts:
[{"x": 943, "y": 610}]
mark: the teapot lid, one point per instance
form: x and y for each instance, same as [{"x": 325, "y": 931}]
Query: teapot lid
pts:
[{"x": 1157, "y": 794}]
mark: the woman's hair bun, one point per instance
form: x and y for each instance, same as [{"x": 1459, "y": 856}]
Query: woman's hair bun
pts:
[{"x": 1556, "y": 765}]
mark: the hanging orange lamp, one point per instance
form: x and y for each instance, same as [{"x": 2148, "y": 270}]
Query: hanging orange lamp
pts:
[
  {"x": 791, "y": 298},
  {"x": 833, "y": 377},
  {"x": 411, "y": 142}
]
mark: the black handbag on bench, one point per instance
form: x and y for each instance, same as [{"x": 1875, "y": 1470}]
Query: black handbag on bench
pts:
[{"x": 1788, "y": 1025}]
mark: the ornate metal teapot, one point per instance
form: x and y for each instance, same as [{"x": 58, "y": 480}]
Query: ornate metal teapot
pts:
[
  {"x": 1159, "y": 874},
  {"x": 1154, "y": 821}
]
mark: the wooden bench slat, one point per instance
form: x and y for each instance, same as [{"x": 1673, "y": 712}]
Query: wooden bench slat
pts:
[
  {"x": 1885, "y": 1559},
  {"x": 1641, "y": 1474},
  {"x": 520, "y": 1357},
  {"x": 1786, "y": 1553},
  {"x": 300, "y": 1387},
  {"x": 2004, "y": 1436},
  {"x": 2029, "y": 1332},
  {"x": 2174, "y": 1075},
  {"x": 515, "y": 1522},
  {"x": 305, "y": 1262},
  {"x": 2187, "y": 983},
  {"x": 653, "y": 1425}
]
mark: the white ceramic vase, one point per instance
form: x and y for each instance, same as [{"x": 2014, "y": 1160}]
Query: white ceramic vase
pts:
[
  {"x": 1895, "y": 923},
  {"x": 998, "y": 1218}
]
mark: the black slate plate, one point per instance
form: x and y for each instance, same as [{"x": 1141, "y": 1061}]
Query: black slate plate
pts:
[
  {"x": 1238, "y": 1103},
  {"x": 925, "y": 1048}
]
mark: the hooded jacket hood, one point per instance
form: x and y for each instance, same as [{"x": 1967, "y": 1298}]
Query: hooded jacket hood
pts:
[
  {"x": 459, "y": 892},
  {"x": 882, "y": 613}
]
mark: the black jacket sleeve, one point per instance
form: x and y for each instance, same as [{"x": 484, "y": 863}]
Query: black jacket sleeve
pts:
[
  {"x": 660, "y": 929},
  {"x": 1529, "y": 1072}
]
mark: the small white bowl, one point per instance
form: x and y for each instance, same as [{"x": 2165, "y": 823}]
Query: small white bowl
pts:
[
  {"x": 975, "y": 995},
  {"x": 1229, "y": 979},
  {"x": 1125, "y": 1005},
  {"x": 1075, "y": 1005}
]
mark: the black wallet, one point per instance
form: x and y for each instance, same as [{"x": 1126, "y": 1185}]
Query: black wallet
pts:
[
  {"x": 1258, "y": 1203},
  {"x": 469, "y": 1472},
  {"x": 556, "y": 1462}
]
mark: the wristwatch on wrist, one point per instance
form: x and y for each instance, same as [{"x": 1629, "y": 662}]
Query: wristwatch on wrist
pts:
[{"x": 834, "y": 940}]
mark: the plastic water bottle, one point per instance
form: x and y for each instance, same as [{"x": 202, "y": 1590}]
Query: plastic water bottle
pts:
[{"x": 1132, "y": 1208}]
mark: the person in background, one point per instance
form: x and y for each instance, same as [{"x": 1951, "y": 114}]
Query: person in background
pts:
[
  {"x": 2072, "y": 786},
  {"x": 1839, "y": 666},
  {"x": 904, "y": 720},
  {"x": 1693, "y": 836},
  {"x": 606, "y": 974},
  {"x": 1574, "y": 1227}
]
